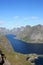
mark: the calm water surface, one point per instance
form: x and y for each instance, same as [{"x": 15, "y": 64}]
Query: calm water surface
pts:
[
  {"x": 22, "y": 47},
  {"x": 25, "y": 48}
]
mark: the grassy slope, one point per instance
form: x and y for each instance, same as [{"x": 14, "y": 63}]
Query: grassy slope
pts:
[{"x": 13, "y": 57}]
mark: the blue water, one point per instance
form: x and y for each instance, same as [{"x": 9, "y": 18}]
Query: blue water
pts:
[
  {"x": 23, "y": 47},
  {"x": 26, "y": 48},
  {"x": 39, "y": 61}
]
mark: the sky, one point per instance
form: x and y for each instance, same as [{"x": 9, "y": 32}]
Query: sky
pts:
[{"x": 17, "y": 13}]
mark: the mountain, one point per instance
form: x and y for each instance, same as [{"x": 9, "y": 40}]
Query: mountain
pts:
[
  {"x": 25, "y": 34},
  {"x": 32, "y": 34},
  {"x": 15, "y": 31},
  {"x": 4, "y": 31}
]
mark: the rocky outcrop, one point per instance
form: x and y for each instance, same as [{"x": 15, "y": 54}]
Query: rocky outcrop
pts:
[{"x": 7, "y": 62}]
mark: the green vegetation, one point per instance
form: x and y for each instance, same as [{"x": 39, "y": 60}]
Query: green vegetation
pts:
[
  {"x": 13, "y": 57},
  {"x": 26, "y": 39}
]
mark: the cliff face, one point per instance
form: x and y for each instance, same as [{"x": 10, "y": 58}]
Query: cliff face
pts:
[{"x": 32, "y": 34}]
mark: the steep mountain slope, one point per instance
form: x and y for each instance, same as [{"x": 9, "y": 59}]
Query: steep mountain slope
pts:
[
  {"x": 5, "y": 43},
  {"x": 12, "y": 57},
  {"x": 32, "y": 34}
]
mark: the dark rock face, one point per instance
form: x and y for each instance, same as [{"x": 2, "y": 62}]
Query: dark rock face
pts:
[{"x": 27, "y": 58}]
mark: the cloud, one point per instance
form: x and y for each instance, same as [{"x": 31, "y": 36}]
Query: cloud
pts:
[
  {"x": 16, "y": 17},
  {"x": 31, "y": 18}
]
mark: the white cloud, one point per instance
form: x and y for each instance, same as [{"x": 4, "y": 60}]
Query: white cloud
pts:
[
  {"x": 15, "y": 17},
  {"x": 31, "y": 18}
]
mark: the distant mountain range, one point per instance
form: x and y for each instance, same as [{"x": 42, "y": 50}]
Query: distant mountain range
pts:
[
  {"x": 4, "y": 31},
  {"x": 27, "y": 33},
  {"x": 14, "y": 31}
]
